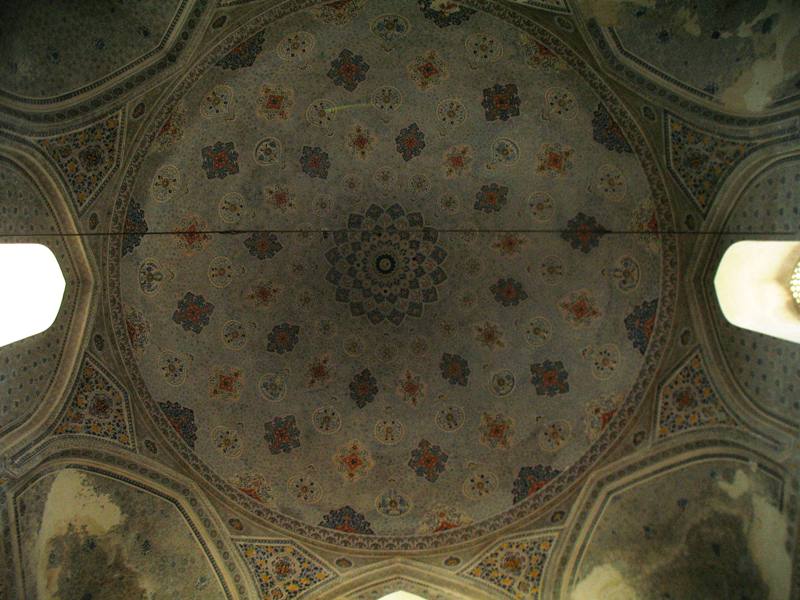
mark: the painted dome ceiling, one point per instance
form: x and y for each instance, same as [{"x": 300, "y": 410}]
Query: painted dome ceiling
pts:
[
  {"x": 366, "y": 296},
  {"x": 389, "y": 298}
]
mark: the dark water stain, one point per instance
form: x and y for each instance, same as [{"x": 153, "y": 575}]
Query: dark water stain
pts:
[{"x": 92, "y": 567}]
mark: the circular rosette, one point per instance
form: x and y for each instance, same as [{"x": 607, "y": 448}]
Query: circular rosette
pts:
[
  {"x": 482, "y": 49},
  {"x": 268, "y": 152},
  {"x": 386, "y": 265},
  {"x": 387, "y": 100},
  {"x": 297, "y": 48},
  {"x": 451, "y": 113},
  {"x": 322, "y": 113}
]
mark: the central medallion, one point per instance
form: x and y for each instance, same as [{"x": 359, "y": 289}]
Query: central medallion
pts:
[{"x": 386, "y": 265}]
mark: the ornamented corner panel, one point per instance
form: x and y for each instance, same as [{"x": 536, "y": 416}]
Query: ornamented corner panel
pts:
[
  {"x": 87, "y": 158},
  {"x": 696, "y": 397},
  {"x": 642, "y": 525},
  {"x": 171, "y": 25},
  {"x": 33, "y": 210},
  {"x": 283, "y": 569},
  {"x": 514, "y": 567},
  {"x": 97, "y": 408},
  {"x": 688, "y": 400},
  {"x": 654, "y": 48},
  {"x": 699, "y": 160},
  {"x": 183, "y": 423},
  {"x": 93, "y": 507}
]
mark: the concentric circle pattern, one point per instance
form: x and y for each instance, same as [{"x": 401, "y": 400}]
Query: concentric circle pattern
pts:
[{"x": 391, "y": 298}]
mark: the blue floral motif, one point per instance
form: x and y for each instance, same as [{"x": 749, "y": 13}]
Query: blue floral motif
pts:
[
  {"x": 501, "y": 102},
  {"x": 315, "y": 162},
  {"x": 606, "y": 131},
  {"x": 193, "y": 312},
  {"x": 390, "y": 27},
  {"x": 363, "y": 388},
  {"x": 428, "y": 461},
  {"x": 283, "y": 338},
  {"x": 531, "y": 479},
  {"x": 508, "y": 291},
  {"x": 134, "y": 229},
  {"x": 491, "y": 198},
  {"x": 220, "y": 160},
  {"x": 550, "y": 378},
  {"x": 640, "y": 324},
  {"x": 410, "y": 142},
  {"x": 392, "y": 504},
  {"x": 583, "y": 232},
  {"x": 182, "y": 420},
  {"x": 445, "y": 13},
  {"x": 244, "y": 54},
  {"x": 282, "y": 434},
  {"x": 455, "y": 369},
  {"x": 346, "y": 519},
  {"x": 348, "y": 70},
  {"x": 263, "y": 244}
]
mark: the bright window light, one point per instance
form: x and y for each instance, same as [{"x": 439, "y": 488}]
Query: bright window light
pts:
[
  {"x": 753, "y": 285},
  {"x": 32, "y": 291},
  {"x": 401, "y": 596}
]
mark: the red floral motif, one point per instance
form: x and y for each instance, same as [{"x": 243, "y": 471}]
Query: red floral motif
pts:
[
  {"x": 263, "y": 294},
  {"x": 279, "y": 197},
  {"x": 192, "y": 236},
  {"x": 353, "y": 461},
  {"x": 220, "y": 160},
  {"x": 226, "y": 384},
  {"x": 275, "y": 102},
  {"x": 442, "y": 518},
  {"x": 427, "y": 70},
  {"x": 579, "y": 308},
  {"x": 489, "y": 335},
  {"x": 456, "y": 160},
  {"x": 410, "y": 388},
  {"x": 509, "y": 245},
  {"x": 360, "y": 141},
  {"x": 319, "y": 371},
  {"x": 496, "y": 431},
  {"x": 553, "y": 159}
]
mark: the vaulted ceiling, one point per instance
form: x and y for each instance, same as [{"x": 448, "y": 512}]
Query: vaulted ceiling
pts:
[{"x": 376, "y": 295}]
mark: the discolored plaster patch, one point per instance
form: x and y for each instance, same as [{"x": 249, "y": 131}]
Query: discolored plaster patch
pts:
[
  {"x": 706, "y": 531},
  {"x": 91, "y": 537},
  {"x": 747, "y": 47},
  {"x": 764, "y": 535}
]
